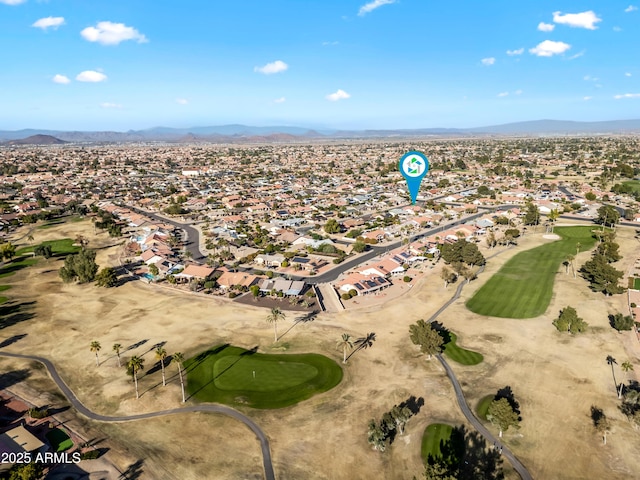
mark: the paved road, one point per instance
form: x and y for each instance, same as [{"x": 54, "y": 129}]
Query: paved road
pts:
[
  {"x": 79, "y": 406},
  {"x": 517, "y": 464}
]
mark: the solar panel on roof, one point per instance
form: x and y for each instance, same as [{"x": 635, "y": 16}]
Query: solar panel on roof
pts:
[{"x": 358, "y": 286}]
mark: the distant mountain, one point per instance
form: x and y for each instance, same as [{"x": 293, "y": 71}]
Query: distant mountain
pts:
[
  {"x": 279, "y": 134},
  {"x": 37, "y": 140}
]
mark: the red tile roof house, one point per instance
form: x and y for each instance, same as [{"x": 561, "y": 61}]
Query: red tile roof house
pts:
[{"x": 198, "y": 272}]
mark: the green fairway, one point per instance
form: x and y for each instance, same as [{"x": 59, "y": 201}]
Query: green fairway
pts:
[
  {"x": 461, "y": 355},
  {"x": 60, "y": 247},
  {"x": 434, "y": 435},
  {"x": 522, "y": 288},
  {"x": 16, "y": 264},
  {"x": 483, "y": 406},
  {"x": 59, "y": 440},
  {"x": 235, "y": 376},
  {"x": 636, "y": 284},
  {"x": 633, "y": 184}
]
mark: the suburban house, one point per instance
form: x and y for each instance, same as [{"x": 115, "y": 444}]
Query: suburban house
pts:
[
  {"x": 274, "y": 260},
  {"x": 197, "y": 272},
  {"x": 363, "y": 284},
  {"x": 288, "y": 287}
]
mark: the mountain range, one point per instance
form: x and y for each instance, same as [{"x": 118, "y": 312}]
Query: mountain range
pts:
[{"x": 281, "y": 134}]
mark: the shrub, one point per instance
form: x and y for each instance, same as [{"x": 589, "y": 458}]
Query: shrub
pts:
[
  {"x": 233, "y": 294},
  {"x": 633, "y": 305},
  {"x": 284, "y": 264},
  {"x": 38, "y": 413},
  {"x": 209, "y": 284},
  {"x": 345, "y": 296},
  {"x": 90, "y": 455},
  {"x": 353, "y": 292},
  {"x": 269, "y": 274},
  {"x": 406, "y": 279}
]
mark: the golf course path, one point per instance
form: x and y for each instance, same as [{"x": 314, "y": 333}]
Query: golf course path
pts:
[
  {"x": 79, "y": 406},
  {"x": 517, "y": 464}
]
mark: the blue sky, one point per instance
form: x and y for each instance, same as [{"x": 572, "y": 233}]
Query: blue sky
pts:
[{"x": 122, "y": 64}]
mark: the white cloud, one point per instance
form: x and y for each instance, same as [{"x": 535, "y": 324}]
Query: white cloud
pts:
[
  {"x": 182, "y": 101},
  {"x": 91, "y": 76},
  {"x": 589, "y": 78},
  {"x": 488, "y": 61},
  {"x": 587, "y": 98},
  {"x": 518, "y": 92},
  {"x": 617, "y": 29},
  {"x": 61, "y": 79},
  {"x": 548, "y": 48},
  {"x": 577, "y": 55},
  {"x": 280, "y": 100},
  {"x": 110, "y": 105},
  {"x": 49, "y": 22},
  {"x": 579, "y": 20},
  {"x": 627, "y": 95},
  {"x": 627, "y": 74},
  {"x": 12, "y": 2},
  {"x": 338, "y": 95},
  {"x": 631, "y": 8},
  {"x": 109, "y": 33},
  {"x": 519, "y": 51},
  {"x": 503, "y": 94},
  {"x": 546, "y": 27},
  {"x": 273, "y": 67},
  {"x": 371, "y": 6}
]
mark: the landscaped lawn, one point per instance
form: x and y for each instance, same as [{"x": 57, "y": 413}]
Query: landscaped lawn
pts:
[
  {"x": 636, "y": 283},
  {"x": 235, "y": 376},
  {"x": 461, "y": 355},
  {"x": 522, "y": 288},
  {"x": 635, "y": 184},
  {"x": 59, "y": 440},
  {"x": 433, "y": 436}
]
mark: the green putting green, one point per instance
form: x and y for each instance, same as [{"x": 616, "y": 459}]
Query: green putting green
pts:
[
  {"x": 459, "y": 354},
  {"x": 522, "y": 288},
  {"x": 483, "y": 406},
  {"x": 60, "y": 247},
  {"x": 235, "y": 376},
  {"x": 434, "y": 436}
]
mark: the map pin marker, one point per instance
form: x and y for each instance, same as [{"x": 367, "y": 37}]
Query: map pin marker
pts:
[{"x": 414, "y": 166}]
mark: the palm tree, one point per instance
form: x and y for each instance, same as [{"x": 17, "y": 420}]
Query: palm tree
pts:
[
  {"x": 275, "y": 316},
  {"x": 95, "y": 348},
  {"x": 116, "y": 348},
  {"x": 345, "y": 344},
  {"x": 30, "y": 238},
  {"x": 578, "y": 245},
  {"x": 161, "y": 354},
  {"x": 611, "y": 361},
  {"x": 626, "y": 368},
  {"x": 553, "y": 216},
  {"x": 178, "y": 357},
  {"x": 363, "y": 343},
  {"x": 134, "y": 365}
]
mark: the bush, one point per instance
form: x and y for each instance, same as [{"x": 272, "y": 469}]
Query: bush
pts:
[
  {"x": 284, "y": 264},
  {"x": 38, "y": 413},
  {"x": 90, "y": 455},
  {"x": 353, "y": 292},
  {"x": 338, "y": 260},
  {"x": 406, "y": 279},
  {"x": 233, "y": 294},
  {"x": 621, "y": 322},
  {"x": 633, "y": 305},
  {"x": 269, "y": 274},
  {"x": 345, "y": 296},
  {"x": 209, "y": 284}
]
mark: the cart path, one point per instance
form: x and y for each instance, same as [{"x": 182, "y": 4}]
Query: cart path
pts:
[
  {"x": 210, "y": 408},
  {"x": 473, "y": 420}
]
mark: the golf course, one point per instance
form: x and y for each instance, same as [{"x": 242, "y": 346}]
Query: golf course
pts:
[
  {"x": 235, "y": 376},
  {"x": 522, "y": 288}
]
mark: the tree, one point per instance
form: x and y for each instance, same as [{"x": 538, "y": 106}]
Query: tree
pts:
[
  {"x": 255, "y": 291},
  {"x": 95, "y": 348},
  {"x": 178, "y": 357},
  {"x": 612, "y": 361},
  {"x": 116, "y": 348},
  {"x": 423, "y": 334},
  {"x": 602, "y": 276},
  {"x": 448, "y": 276},
  {"x": 621, "y": 322},
  {"x": 568, "y": 321},
  {"x": 607, "y": 215},
  {"x": 26, "y": 471},
  {"x": 345, "y": 344},
  {"x": 43, "y": 251},
  {"x": 107, "y": 277},
  {"x": 161, "y": 354},
  {"x": 274, "y": 317},
  {"x": 81, "y": 267},
  {"x": 30, "y": 238},
  {"x": 626, "y": 368},
  {"x": 569, "y": 261},
  {"x": 400, "y": 415},
  {"x": 376, "y": 436},
  {"x": 462, "y": 251},
  {"x": 359, "y": 246},
  {"x": 502, "y": 415},
  {"x": 532, "y": 215},
  {"x": 134, "y": 365},
  {"x": 609, "y": 250},
  {"x": 7, "y": 251},
  {"x": 153, "y": 270},
  {"x": 332, "y": 226},
  {"x": 363, "y": 343},
  {"x": 600, "y": 422},
  {"x": 553, "y": 217}
]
